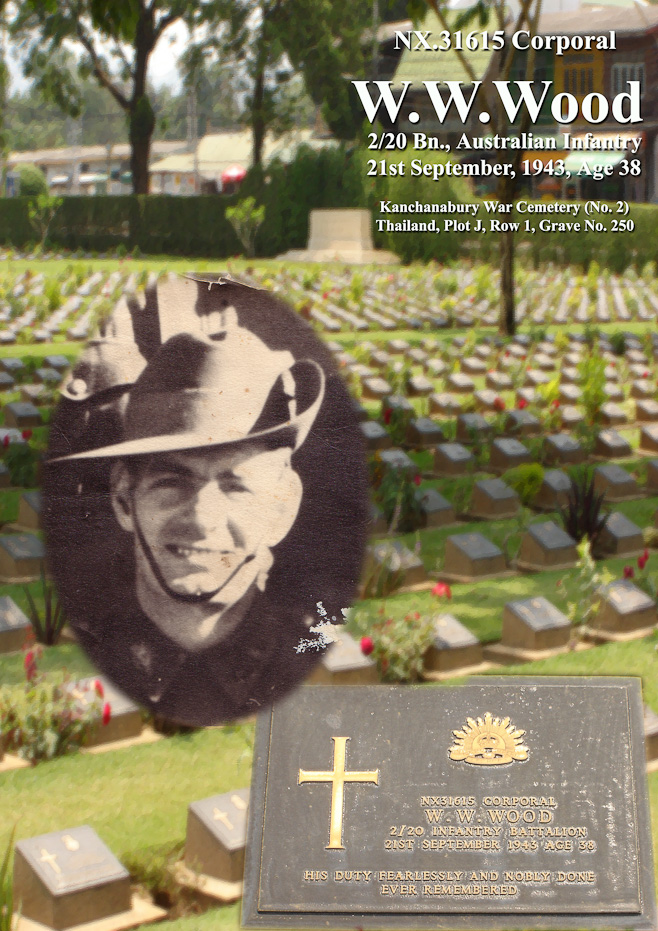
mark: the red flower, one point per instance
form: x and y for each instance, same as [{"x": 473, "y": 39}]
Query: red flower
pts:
[
  {"x": 325, "y": 295},
  {"x": 27, "y": 434},
  {"x": 555, "y": 405},
  {"x": 388, "y": 413},
  {"x": 499, "y": 404},
  {"x": 442, "y": 590},
  {"x": 367, "y": 645},
  {"x": 642, "y": 560},
  {"x": 5, "y": 441},
  {"x": 507, "y": 353},
  {"x": 417, "y": 479},
  {"x": 30, "y": 665},
  {"x": 98, "y": 688},
  {"x": 107, "y": 713},
  {"x": 417, "y": 615},
  {"x": 384, "y": 664},
  {"x": 629, "y": 572},
  {"x": 645, "y": 374},
  {"x": 522, "y": 404}
]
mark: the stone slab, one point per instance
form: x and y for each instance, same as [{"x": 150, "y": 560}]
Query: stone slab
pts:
[
  {"x": 454, "y": 646},
  {"x": 69, "y": 877},
  {"x": 343, "y": 663},
  {"x": 14, "y": 626},
  {"x": 216, "y": 834},
  {"x": 534, "y": 624},
  {"x": 337, "y": 774}
]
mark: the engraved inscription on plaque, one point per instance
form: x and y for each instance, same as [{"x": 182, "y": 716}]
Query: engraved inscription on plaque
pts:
[{"x": 493, "y": 804}]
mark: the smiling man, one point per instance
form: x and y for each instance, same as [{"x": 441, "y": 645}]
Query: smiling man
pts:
[{"x": 204, "y": 484}]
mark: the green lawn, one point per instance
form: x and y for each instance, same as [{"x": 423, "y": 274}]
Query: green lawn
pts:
[{"x": 137, "y": 798}]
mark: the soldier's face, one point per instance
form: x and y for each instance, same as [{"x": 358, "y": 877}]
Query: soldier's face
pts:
[{"x": 199, "y": 516}]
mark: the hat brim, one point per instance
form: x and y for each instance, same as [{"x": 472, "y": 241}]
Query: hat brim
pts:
[{"x": 300, "y": 426}]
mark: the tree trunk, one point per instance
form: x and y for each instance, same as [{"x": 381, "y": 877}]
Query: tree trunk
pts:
[
  {"x": 141, "y": 117},
  {"x": 142, "y": 124},
  {"x": 258, "y": 127}
]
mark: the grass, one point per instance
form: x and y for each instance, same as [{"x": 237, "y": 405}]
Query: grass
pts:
[{"x": 137, "y": 799}]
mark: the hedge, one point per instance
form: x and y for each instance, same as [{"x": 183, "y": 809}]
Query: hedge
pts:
[{"x": 330, "y": 178}]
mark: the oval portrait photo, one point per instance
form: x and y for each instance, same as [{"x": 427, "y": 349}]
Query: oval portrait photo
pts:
[{"x": 205, "y": 490}]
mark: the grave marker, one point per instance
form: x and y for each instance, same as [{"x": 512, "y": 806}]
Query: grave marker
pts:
[
  {"x": 216, "y": 833},
  {"x": 21, "y": 557},
  {"x": 470, "y": 556},
  {"x": 14, "y": 626},
  {"x": 452, "y": 459},
  {"x": 624, "y": 608},
  {"x": 454, "y": 646},
  {"x": 535, "y": 624},
  {"x": 344, "y": 663},
  {"x": 616, "y": 483},
  {"x": 621, "y": 537},
  {"x": 69, "y": 878},
  {"x": 336, "y": 770},
  {"x": 492, "y": 499},
  {"x": 547, "y": 546}
]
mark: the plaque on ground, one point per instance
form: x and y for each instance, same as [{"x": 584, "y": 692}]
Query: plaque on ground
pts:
[
  {"x": 492, "y": 804},
  {"x": 68, "y": 878}
]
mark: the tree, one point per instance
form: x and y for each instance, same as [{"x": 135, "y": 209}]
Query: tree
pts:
[
  {"x": 527, "y": 18},
  {"x": 31, "y": 181},
  {"x": 115, "y": 39}
]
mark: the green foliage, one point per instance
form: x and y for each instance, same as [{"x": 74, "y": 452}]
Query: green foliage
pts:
[
  {"x": 399, "y": 644},
  {"x": 583, "y": 590},
  {"x": 246, "y": 219},
  {"x": 526, "y": 480},
  {"x": 45, "y": 718},
  {"x": 7, "y": 887},
  {"x": 42, "y": 211},
  {"x": 584, "y": 515},
  {"x": 31, "y": 181},
  {"x": 397, "y": 498},
  {"x": 47, "y": 626},
  {"x": 618, "y": 342},
  {"x": 21, "y": 459},
  {"x": 384, "y": 577},
  {"x": 592, "y": 376}
]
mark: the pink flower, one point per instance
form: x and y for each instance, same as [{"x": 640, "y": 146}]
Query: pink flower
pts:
[
  {"x": 107, "y": 713},
  {"x": 367, "y": 645},
  {"x": 442, "y": 590},
  {"x": 522, "y": 404},
  {"x": 98, "y": 688},
  {"x": 645, "y": 374},
  {"x": 30, "y": 665},
  {"x": 629, "y": 572},
  {"x": 27, "y": 434},
  {"x": 417, "y": 615},
  {"x": 417, "y": 479}
]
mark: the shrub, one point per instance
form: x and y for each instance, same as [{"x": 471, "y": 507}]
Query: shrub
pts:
[
  {"x": 398, "y": 645},
  {"x": 48, "y": 626},
  {"x": 31, "y": 181},
  {"x": 584, "y": 516},
  {"x": 526, "y": 480},
  {"x": 592, "y": 376},
  {"x": 21, "y": 459},
  {"x": 246, "y": 219},
  {"x": 397, "y": 498},
  {"x": 45, "y": 718}
]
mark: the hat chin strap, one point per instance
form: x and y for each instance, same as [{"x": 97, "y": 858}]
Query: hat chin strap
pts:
[{"x": 206, "y": 597}]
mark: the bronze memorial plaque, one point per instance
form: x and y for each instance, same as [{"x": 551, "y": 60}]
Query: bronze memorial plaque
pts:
[{"x": 506, "y": 803}]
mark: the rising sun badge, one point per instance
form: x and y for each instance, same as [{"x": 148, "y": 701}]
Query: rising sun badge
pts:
[{"x": 488, "y": 741}]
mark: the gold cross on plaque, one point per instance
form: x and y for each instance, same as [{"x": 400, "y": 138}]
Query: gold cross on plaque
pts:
[
  {"x": 338, "y": 778},
  {"x": 50, "y": 859},
  {"x": 223, "y": 817}
]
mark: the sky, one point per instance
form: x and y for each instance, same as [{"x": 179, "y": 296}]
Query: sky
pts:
[{"x": 162, "y": 68}]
